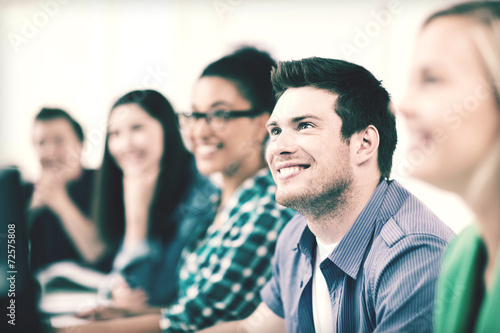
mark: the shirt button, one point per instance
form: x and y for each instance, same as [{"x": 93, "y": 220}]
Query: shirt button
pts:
[{"x": 301, "y": 283}]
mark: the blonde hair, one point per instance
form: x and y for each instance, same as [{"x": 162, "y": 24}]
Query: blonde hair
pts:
[
  {"x": 485, "y": 16},
  {"x": 485, "y": 19}
]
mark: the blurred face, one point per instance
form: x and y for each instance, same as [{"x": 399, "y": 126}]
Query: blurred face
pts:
[
  {"x": 238, "y": 142},
  {"x": 135, "y": 139},
  {"x": 450, "y": 107},
  {"x": 58, "y": 147},
  {"x": 307, "y": 156}
]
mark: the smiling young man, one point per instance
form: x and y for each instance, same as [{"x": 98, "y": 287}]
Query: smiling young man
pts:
[{"x": 363, "y": 255}]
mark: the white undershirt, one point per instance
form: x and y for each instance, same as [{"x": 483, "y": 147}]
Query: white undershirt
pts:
[{"x": 322, "y": 307}]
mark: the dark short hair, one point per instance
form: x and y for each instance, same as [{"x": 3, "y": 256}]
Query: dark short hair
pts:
[
  {"x": 250, "y": 70},
  {"x": 48, "y": 114},
  {"x": 362, "y": 101},
  {"x": 172, "y": 181}
]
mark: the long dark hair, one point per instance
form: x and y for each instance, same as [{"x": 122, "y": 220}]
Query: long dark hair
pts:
[{"x": 109, "y": 210}]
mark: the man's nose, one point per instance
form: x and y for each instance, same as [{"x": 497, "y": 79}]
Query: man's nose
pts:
[
  {"x": 284, "y": 144},
  {"x": 48, "y": 150}
]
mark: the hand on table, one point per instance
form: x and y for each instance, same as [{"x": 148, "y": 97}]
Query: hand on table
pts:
[
  {"x": 126, "y": 302},
  {"x": 125, "y": 297},
  {"x": 102, "y": 312}
]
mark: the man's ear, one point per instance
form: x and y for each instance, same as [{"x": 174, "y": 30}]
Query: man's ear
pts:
[{"x": 366, "y": 144}]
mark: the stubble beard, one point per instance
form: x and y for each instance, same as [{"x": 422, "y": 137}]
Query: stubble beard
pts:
[{"x": 316, "y": 199}]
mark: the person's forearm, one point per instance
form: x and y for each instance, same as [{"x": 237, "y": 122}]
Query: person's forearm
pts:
[
  {"x": 82, "y": 231},
  {"x": 145, "y": 311},
  {"x": 229, "y": 327},
  {"x": 262, "y": 320},
  {"x": 138, "y": 191},
  {"x": 136, "y": 226},
  {"x": 140, "y": 324}
]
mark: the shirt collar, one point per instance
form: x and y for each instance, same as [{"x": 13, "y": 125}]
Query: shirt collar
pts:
[
  {"x": 307, "y": 243},
  {"x": 349, "y": 254}
]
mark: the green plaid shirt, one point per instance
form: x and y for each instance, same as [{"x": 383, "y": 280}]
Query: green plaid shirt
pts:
[{"x": 221, "y": 275}]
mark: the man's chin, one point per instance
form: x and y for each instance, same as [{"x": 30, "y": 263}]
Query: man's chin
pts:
[{"x": 290, "y": 201}]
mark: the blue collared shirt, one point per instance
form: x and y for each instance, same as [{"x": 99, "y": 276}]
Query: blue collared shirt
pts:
[{"x": 381, "y": 277}]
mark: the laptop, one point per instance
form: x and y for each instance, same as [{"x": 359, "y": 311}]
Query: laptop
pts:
[{"x": 18, "y": 289}]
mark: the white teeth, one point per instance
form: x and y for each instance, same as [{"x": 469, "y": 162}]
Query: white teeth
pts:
[
  {"x": 207, "y": 149},
  {"x": 286, "y": 171}
]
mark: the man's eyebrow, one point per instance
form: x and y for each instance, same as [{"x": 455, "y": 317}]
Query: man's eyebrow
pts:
[
  {"x": 306, "y": 116},
  {"x": 272, "y": 123},
  {"x": 294, "y": 120}
]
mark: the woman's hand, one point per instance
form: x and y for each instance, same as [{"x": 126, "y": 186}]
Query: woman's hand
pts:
[
  {"x": 125, "y": 297},
  {"x": 126, "y": 302},
  {"x": 103, "y": 313}
]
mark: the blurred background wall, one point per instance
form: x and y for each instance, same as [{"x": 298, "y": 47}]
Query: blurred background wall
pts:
[{"x": 81, "y": 55}]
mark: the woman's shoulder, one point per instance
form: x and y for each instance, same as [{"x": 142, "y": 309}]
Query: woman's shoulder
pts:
[
  {"x": 200, "y": 197},
  {"x": 256, "y": 201},
  {"x": 462, "y": 250},
  {"x": 200, "y": 184}
]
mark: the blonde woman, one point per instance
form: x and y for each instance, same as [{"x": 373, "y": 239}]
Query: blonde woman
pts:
[{"x": 453, "y": 106}]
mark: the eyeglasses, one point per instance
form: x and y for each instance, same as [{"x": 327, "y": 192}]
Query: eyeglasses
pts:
[{"x": 215, "y": 119}]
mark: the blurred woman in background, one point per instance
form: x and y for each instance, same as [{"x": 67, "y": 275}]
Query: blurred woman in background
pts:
[
  {"x": 453, "y": 112},
  {"x": 150, "y": 198},
  {"x": 220, "y": 274}
]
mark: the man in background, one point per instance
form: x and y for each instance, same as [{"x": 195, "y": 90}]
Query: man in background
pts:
[{"x": 61, "y": 199}]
